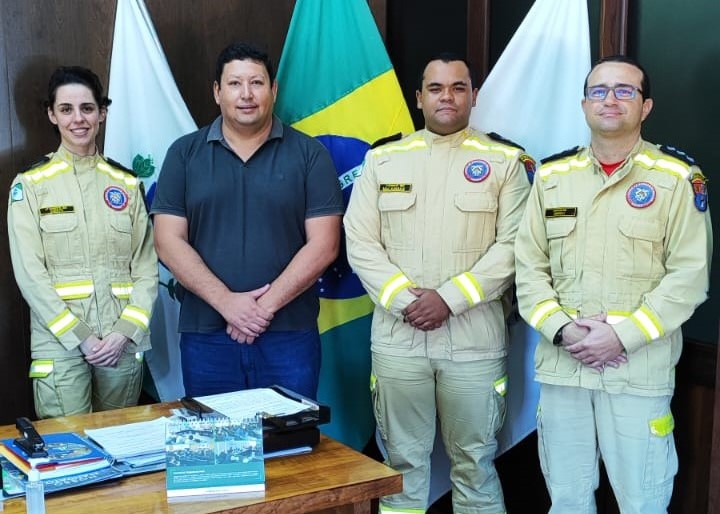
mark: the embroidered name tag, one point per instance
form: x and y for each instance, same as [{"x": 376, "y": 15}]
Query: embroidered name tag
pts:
[
  {"x": 395, "y": 188},
  {"x": 561, "y": 212},
  {"x": 56, "y": 209}
]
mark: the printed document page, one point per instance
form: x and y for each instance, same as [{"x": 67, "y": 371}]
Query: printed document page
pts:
[
  {"x": 132, "y": 439},
  {"x": 245, "y": 404}
]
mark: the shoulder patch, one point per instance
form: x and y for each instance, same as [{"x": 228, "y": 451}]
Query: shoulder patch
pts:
[
  {"x": 699, "y": 185},
  {"x": 119, "y": 166},
  {"x": 557, "y": 156},
  {"x": 387, "y": 139},
  {"x": 530, "y": 166},
  {"x": 43, "y": 160},
  {"x": 679, "y": 154},
  {"x": 16, "y": 193},
  {"x": 497, "y": 137}
]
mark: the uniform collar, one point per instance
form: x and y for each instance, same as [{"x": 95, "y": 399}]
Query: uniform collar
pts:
[
  {"x": 454, "y": 139},
  {"x": 79, "y": 162},
  {"x": 625, "y": 166}
]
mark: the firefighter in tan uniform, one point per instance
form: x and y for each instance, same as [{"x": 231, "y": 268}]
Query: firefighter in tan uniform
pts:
[
  {"x": 612, "y": 258},
  {"x": 430, "y": 230},
  {"x": 82, "y": 254}
]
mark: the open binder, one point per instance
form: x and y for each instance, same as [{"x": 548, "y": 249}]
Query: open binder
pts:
[{"x": 289, "y": 419}]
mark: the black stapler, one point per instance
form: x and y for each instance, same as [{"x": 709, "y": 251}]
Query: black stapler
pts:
[{"x": 31, "y": 442}]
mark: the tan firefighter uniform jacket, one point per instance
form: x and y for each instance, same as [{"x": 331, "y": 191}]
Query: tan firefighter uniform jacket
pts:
[
  {"x": 636, "y": 243},
  {"x": 438, "y": 212},
  {"x": 82, "y": 253}
]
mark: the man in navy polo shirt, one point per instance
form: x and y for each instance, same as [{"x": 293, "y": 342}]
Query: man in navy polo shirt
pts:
[{"x": 247, "y": 217}]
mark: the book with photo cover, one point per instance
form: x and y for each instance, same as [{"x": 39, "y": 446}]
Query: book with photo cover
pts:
[
  {"x": 68, "y": 454},
  {"x": 14, "y": 481},
  {"x": 215, "y": 456}
]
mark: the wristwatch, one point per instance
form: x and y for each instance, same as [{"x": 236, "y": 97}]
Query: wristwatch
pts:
[{"x": 558, "y": 339}]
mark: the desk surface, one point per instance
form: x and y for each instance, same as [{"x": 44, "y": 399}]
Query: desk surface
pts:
[{"x": 332, "y": 475}]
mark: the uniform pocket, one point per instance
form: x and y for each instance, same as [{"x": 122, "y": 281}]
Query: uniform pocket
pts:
[
  {"x": 397, "y": 213},
  {"x": 120, "y": 237},
  {"x": 61, "y": 239},
  {"x": 475, "y": 225},
  {"x": 378, "y": 407},
  {"x": 641, "y": 248},
  {"x": 661, "y": 464},
  {"x": 561, "y": 239}
]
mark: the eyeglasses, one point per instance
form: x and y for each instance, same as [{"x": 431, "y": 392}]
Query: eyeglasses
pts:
[{"x": 621, "y": 92}]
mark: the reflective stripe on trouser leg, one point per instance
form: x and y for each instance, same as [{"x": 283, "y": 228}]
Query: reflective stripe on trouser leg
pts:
[
  {"x": 404, "y": 406},
  {"x": 65, "y": 390},
  {"x": 471, "y": 409},
  {"x": 567, "y": 447},
  {"x": 638, "y": 449}
]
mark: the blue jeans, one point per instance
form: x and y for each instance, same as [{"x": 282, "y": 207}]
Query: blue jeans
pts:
[{"x": 213, "y": 363}]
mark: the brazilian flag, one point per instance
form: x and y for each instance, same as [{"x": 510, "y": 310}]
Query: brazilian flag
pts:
[{"x": 336, "y": 83}]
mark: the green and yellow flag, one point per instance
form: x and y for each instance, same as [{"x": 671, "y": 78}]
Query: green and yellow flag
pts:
[{"x": 336, "y": 83}]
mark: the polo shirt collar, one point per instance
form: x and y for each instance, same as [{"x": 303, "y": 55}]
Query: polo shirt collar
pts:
[{"x": 215, "y": 131}]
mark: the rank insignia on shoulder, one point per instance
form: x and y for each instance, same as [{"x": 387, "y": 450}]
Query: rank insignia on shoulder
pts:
[
  {"x": 530, "y": 166},
  {"x": 386, "y": 139},
  {"x": 560, "y": 155},
  {"x": 679, "y": 154},
  {"x": 16, "y": 193},
  {"x": 115, "y": 164},
  {"x": 43, "y": 160},
  {"x": 699, "y": 184},
  {"x": 497, "y": 137}
]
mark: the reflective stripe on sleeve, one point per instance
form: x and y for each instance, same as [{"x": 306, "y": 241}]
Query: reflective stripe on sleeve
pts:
[
  {"x": 647, "y": 323},
  {"x": 470, "y": 287},
  {"x": 122, "y": 290},
  {"x": 391, "y": 288},
  {"x": 40, "y": 368},
  {"x": 74, "y": 290},
  {"x": 542, "y": 311},
  {"x": 64, "y": 322},
  {"x": 136, "y": 315}
]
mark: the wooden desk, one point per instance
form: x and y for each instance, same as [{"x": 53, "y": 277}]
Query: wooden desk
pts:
[{"x": 331, "y": 479}]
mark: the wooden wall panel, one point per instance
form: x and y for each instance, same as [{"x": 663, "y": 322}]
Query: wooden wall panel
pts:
[
  {"x": 37, "y": 36},
  {"x": 194, "y": 33},
  {"x": 613, "y": 27}
]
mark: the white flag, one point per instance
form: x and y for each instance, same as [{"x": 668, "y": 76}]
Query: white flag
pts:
[
  {"x": 532, "y": 96},
  {"x": 147, "y": 114}
]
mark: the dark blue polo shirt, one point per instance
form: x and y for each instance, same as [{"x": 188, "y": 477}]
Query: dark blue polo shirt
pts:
[{"x": 247, "y": 219}]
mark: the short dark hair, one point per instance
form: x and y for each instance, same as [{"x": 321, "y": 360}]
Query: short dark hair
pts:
[
  {"x": 644, "y": 83},
  {"x": 76, "y": 75},
  {"x": 241, "y": 51},
  {"x": 446, "y": 57}
]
